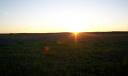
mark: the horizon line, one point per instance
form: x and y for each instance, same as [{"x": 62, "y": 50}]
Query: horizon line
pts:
[{"x": 63, "y": 32}]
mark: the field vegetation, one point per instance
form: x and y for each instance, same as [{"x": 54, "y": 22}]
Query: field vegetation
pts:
[{"x": 58, "y": 54}]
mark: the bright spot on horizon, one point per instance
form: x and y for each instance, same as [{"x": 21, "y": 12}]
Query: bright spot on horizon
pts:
[
  {"x": 76, "y": 33},
  {"x": 76, "y": 30}
]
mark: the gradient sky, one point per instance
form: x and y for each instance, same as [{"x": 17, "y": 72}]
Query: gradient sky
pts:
[{"x": 63, "y": 15}]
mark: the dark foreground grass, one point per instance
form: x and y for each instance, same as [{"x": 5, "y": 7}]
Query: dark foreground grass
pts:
[{"x": 94, "y": 54}]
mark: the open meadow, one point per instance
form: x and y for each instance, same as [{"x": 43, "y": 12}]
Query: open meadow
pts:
[{"x": 59, "y": 54}]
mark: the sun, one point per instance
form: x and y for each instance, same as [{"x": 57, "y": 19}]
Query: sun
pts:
[
  {"x": 75, "y": 33},
  {"x": 76, "y": 30}
]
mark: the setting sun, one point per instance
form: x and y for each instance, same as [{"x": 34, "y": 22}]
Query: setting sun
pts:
[{"x": 75, "y": 33}]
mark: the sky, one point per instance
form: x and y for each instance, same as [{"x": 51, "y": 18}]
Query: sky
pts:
[{"x": 41, "y": 16}]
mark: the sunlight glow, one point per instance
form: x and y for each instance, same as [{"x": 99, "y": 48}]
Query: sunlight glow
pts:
[
  {"x": 75, "y": 33},
  {"x": 76, "y": 36}
]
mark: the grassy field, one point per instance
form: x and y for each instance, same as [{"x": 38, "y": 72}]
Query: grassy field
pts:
[{"x": 57, "y": 54}]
